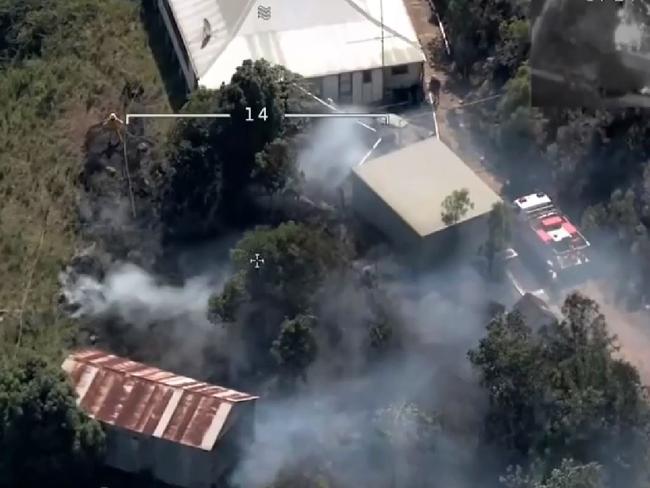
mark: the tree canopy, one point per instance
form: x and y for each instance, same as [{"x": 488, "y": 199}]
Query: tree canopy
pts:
[
  {"x": 296, "y": 259},
  {"x": 271, "y": 305},
  {"x": 455, "y": 206},
  {"x": 215, "y": 165},
  {"x": 499, "y": 235},
  {"x": 295, "y": 348},
  {"x": 44, "y": 439},
  {"x": 568, "y": 474},
  {"x": 561, "y": 392}
]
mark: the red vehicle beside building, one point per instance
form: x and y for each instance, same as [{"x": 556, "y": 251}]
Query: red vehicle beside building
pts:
[{"x": 547, "y": 238}]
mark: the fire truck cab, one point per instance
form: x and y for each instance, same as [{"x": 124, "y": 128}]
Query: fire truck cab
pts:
[{"x": 548, "y": 239}]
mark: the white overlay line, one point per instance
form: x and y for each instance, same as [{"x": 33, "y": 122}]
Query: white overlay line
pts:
[
  {"x": 176, "y": 116},
  {"x": 339, "y": 115}
]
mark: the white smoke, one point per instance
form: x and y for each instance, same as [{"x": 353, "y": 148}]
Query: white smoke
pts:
[
  {"x": 136, "y": 297},
  {"x": 335, "y": 409},
  {"x": 629, "y": 34},
  {"x": 334, "y": 148}
]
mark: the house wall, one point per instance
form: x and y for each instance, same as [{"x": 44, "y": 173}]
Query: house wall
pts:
[
  {"x": 330, "y": 87},
  {"x": 174, "y": 463},
  {"x": 377, "y": 85},
  {"x": 370, "y": 92},
  {"x": 177, "y": 43},
  {"x": 413, "y": 75},
  {"x": 357, "y": 88},
  {"x": 372, "y": 209},
  {"x": 456, "y": 242}
]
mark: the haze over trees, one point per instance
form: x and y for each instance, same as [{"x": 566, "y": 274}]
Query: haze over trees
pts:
[
  {"x": 595, "y": 161},
  {"x": 562, "y": 405},
  {"x": 560, "y": 393},
  {"x": 568, "y": 475},
  {"x": 499, "y": 235}
]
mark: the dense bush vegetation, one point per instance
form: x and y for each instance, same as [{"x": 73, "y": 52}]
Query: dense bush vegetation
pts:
[
  {"x": 561, "y": 405},
  {"x": 595, "y": 162},
  {"x": 63, "y": 66},
  {"x": 45, "y": 439}
]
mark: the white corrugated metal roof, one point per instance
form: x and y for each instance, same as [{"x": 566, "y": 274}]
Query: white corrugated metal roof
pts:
[
  {"x": 309, "y": 37},
  {"x": 414, "y": 181}
]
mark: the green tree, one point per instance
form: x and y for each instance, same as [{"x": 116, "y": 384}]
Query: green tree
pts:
[
  {"x": 407, "y": 435},
  {"x": 514, "y": 44},
  {"x": 44, "y": 439},
  {"x": 562, "y": 392},
  {"x": 295, "y": 348},
  {"x": 406, "y": 425},
  {"x": 517, "y": 92},
  {"x": 272, "y": 170},
  {"x": 296, "y": 259},
  {"x": 568, "y": 474},
  {"x": 499, "y": 233},
  {"x": 478, "y": 28},
  {"x": 193, "y": 188},
  {"x": 214, "y": 161},
  {"x": 455, "y": 206}
]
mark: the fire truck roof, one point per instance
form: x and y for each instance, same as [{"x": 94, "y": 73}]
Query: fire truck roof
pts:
[{"x": 533, "y": 200}]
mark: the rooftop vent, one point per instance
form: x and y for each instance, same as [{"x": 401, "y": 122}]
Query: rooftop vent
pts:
[{"x": 207, "y": 33}]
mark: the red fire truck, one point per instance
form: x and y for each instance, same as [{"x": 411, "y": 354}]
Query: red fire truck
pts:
[{"x": 546, "y": 237}]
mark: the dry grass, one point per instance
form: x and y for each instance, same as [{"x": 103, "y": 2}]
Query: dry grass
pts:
[{"x": 46, "y": 105}]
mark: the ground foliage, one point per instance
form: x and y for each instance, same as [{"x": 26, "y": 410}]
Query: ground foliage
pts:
[
  {"x": 216, "y": 166},
  {"x": 595, "y": 162},
  {"x": 557, "y": 395},
  {"x": 568, "y": 475},
  {"x": 44, "y": 438},
  {"x": 63, "y": 66},
  {"x": 561, "y": 392}
]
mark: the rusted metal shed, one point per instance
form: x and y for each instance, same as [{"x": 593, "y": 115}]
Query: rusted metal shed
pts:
[{"x": 156, "y": 419}]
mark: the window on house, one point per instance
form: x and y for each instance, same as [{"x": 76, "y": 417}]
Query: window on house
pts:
[
  {"x": 345, "y": 87},
  {"x": 367, "y": 76},
  {"x": 402, "y": 69}
]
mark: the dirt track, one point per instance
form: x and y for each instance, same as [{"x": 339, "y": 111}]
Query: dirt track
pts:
[
  {"x": 631, "y": 328},
  {"x": 438, "y": 64}
]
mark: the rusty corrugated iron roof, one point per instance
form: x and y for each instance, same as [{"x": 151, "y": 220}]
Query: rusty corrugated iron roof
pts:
[{"x": 150, "y": 401}]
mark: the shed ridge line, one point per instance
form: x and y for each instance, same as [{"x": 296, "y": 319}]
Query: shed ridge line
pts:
[{"x": 186, "y": 388}]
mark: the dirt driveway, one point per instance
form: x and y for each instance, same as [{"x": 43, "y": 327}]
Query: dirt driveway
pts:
[{"x": 632, "y": 329}]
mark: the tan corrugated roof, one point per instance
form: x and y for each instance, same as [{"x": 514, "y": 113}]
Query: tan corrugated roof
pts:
[
  {"x": 148, "y": 400},
  {"x": 414, "y": 181}
]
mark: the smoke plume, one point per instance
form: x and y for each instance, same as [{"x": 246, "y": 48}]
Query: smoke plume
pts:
[
  {"x": 136, "y": 297},
  {"x": 332, "y": 150}
]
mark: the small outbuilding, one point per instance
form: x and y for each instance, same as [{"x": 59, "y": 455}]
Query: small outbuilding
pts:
[
  {"x": 181, "y": 431},
  {"x": 401, "y": 194},
  {"x": 534, "y": 311}
]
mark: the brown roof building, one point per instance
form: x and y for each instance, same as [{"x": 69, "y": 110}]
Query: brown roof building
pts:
[{"x": 183, "y": 431}]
